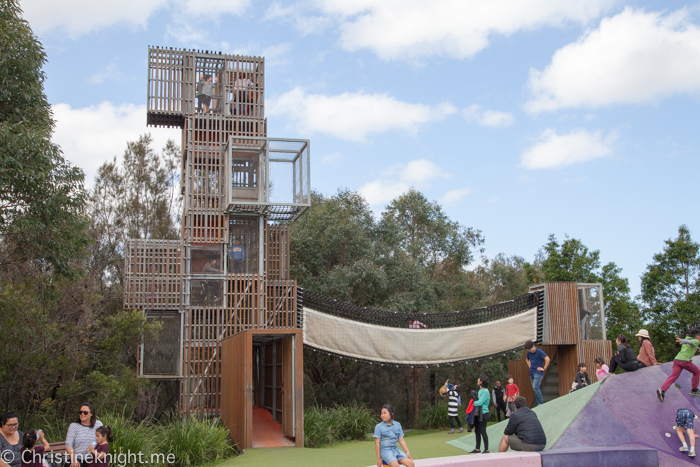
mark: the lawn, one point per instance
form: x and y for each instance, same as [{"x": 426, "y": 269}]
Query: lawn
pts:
[{"x": 422, "y": 444}]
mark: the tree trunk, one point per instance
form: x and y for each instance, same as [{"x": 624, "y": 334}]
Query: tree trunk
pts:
[
  {"x": 432, "y": 386},
  {"x": 416, "y": 399}
]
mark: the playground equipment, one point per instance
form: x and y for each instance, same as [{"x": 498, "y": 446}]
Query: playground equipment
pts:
[{"x": 234, "y": 323}]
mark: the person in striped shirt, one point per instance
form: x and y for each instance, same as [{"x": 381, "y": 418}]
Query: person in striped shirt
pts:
[
  {"x": 81, "y": 434},
  {"x": 452, "y": 404}
]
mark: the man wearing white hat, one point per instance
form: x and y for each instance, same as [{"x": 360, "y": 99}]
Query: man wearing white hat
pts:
[{"x": 646, "y": 349}]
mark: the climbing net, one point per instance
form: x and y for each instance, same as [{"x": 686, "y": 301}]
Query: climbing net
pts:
[{"x": 393, "y": 319}]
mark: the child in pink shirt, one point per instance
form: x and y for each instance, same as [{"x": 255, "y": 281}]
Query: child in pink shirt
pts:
[{"x": 602, "y": 370}]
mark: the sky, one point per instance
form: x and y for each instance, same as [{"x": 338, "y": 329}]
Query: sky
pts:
[{"x": 522, "y": 118}]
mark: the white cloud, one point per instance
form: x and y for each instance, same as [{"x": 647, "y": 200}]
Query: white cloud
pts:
[
  {"x": 410, "y": 29},
  {"x": 453, "y": 197},
  {"x": 486, "y": 117},
  {"x": 214, "y": 8},
  {"x": 89, "y": 136},
  {"x": 420, "y": 173},
  {"x": 333, "y": 158},
  {"x": 305, "y": 24},
  {"x": 78, "y": 17},
  {"x": 353, "y": 116},
  {"x": 553, "y": 151},
  {"x": 634, "y": 57},
  {"x": 109, "y": 72}
]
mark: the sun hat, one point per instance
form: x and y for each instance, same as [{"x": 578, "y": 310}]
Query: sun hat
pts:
[{"x": 643, "y": 333}]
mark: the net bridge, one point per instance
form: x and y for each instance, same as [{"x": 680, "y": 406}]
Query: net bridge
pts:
[{"x": 384, "y": 337}]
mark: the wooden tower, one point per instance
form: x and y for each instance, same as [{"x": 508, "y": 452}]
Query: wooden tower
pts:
[
  {"x": 573, "y": 331},
  {"x": 223, "y": 294}
]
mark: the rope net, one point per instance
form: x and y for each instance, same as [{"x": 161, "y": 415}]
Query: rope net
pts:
[
  {"x": 380, "y": 336},
  {"x": 394, "y": 319}
]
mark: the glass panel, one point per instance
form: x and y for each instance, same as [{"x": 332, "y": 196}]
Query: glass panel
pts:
[
  {"x": 206, "y": 259},
  {"x": 243, "y": 245},
  {"x": 591, "y": 313},
  {"x": 206, "y": 292},
  {"x": 161, "y": 355}
]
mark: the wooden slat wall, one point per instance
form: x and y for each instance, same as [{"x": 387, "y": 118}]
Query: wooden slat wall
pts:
[
  {"x": 237, "y": 386},
  {"x": 562, "y": 313},
  {"x": 277, "y": 251},
  {"x": 153, "y": 274},
  {"x": 170, "y": 80},
  {"x": 567, "y": 361},
  {"x": 590, "y": 350}
]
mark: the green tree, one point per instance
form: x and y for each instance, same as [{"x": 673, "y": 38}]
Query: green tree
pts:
[
  {"x": 670, "y": 291},
  {"x": 41, "y": 195}
]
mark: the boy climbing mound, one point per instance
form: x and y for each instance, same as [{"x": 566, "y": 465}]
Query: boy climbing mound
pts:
[
  {"x": 683, "y": 362},
  {"x": 684, "y": 421}
]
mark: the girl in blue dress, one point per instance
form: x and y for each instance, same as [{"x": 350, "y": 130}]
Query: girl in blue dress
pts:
[{"x": 386, "y": 435}]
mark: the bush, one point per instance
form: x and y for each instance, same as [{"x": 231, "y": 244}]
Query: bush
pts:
[
  {"x": 435, "y": 415},
  {"x": 195, "y": 442},
  {"x": 130, "y": 437},
  {"x": 325, "y": 426}
]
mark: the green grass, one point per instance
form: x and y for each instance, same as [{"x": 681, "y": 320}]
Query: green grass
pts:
[{"x": 422, "y": 444}]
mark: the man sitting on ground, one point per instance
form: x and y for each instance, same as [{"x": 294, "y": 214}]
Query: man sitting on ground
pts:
[{"x": 524, "y": 431}]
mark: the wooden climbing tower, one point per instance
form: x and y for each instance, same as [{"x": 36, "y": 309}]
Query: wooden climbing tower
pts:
[{"x": 222, "y": 293}]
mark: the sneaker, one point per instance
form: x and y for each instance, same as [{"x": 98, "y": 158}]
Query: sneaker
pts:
[
  {"x": 695, "y": 392},
  {"x": 475, "y": 451},
  {"x": 451, "y": 431},
  {"x": 691, "y": 454},
  {"x": 660, "y": 394},
  {"x": 683, "y": 449},
  {"x": 460, "y": 430}
]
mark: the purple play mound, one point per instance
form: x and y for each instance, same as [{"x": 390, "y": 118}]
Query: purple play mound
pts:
[
  {"x": 620, "y": 456},
  {"x": 626, "y": 412}
]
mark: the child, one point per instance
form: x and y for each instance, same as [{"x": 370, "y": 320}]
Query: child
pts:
[
  {"x": 684, "y": 421},
  {"x": 100, "y": 448},
  {"x": 386, "y": 435},
  {"x": 682, "y": 362},
  {"x": 452, "y": 411},
  {"x": 512, "y": 391},
  {"x": 602, "y": 370},
  {"x": 582, "y": 380},
  {"x": 469, "y": 418},
  {"x": 32, "y": 455}
]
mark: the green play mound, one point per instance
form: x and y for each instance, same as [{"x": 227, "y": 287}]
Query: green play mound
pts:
[{"x": 555, "y": 417}]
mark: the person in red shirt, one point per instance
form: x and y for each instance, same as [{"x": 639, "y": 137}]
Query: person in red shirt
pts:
[{"x": 512, "y": 391}]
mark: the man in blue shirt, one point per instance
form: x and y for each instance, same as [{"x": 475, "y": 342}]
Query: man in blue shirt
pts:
[
  {"x": 237, "y": 254},
  {"x": 537, "y": 361}
]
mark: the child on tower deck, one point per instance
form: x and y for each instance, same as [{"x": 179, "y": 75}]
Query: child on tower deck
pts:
[
  {"x": 582, "y": 380},
  {"x": 602, "y": 369},
  {"x": 452, "y": 406},
  {"x": 683, "y": 362},
  {"x": 684, "y": 421},
  {"x": 386, "y": 435},
  {"x": 512, "y": 391}
]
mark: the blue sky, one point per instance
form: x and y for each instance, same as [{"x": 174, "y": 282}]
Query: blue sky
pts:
[{"x": 523, "y": 118}]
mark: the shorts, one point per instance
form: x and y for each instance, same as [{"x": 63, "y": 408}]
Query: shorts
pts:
[
  {"x": 685, "y": 419},
  {"x": 203, "y": 99},
  {"x": 516, "y": 444},
  {"x": 390, "y": 455}
]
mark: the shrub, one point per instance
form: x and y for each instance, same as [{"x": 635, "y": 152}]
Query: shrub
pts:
[
  {"x": 435, "y": 415},
  {"x": 324, "y": 426},
  {"x": 195, "y": 442},
  {"x": 131, "y": 438}
]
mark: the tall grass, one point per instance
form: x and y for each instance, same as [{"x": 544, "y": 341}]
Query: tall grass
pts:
[
  {"x": 194, "y": 442},
  {"x": 324, "y": 426},
  {"x": 435, "y": 415},
  {"x": 130, "y": 437}
]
